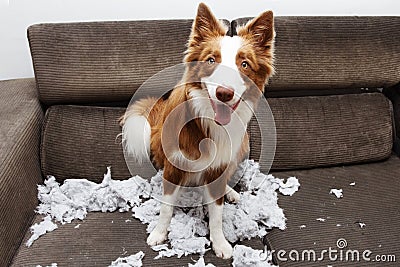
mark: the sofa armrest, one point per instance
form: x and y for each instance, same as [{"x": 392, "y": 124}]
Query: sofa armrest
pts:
[
  {"x": 21, "y": 118},
  {"x": 393, "y": 93}
]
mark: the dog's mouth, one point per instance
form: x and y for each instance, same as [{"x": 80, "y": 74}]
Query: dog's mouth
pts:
[{"x": 223, "y": 112}]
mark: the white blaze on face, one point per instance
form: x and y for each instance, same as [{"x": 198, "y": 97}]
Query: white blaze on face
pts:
[
  {"x": 229, "y": 50},
  {"x": 226, "y": 74}
]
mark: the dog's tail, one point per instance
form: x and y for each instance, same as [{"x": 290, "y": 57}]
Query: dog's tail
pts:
[{"x": 136, "y": 129}]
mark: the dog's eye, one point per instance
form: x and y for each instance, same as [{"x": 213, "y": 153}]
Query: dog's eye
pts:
[
  {"x": 210, "y": 60},
  {"x": 245, "y": 64}
]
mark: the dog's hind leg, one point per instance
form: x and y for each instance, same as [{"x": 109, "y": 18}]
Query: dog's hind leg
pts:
[{"x": 172, "y": 178}]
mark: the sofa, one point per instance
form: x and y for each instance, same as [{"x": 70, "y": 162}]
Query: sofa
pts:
[{"x": 335, "y": 98}]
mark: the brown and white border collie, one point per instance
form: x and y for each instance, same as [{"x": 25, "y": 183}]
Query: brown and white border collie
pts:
[{"x": 222, "y": 84}]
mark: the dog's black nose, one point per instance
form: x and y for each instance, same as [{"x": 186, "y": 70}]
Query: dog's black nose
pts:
[{"x": 224, "y": 94}]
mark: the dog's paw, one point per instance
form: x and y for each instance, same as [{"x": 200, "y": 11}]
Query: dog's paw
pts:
[
  {"x": 233, "y": 196},
  {"x": 223, "y": 249},
  {"x": 156, "y": 238}
]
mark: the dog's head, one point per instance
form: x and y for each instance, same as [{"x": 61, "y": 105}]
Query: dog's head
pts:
[{"x": 231, "y": 65}]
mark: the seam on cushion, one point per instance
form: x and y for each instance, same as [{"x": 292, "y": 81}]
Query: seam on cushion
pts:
[
  {"x": 394, "y": 134},
  {"x": 43, "y": 139},
  {"x": 396, "y": 140},
  {"x": 390, "y": 111}
]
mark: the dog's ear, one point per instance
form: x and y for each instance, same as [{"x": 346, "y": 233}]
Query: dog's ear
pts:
[
  {"x": 205, "y": 26},
  {"x": 260, "y": 29}
]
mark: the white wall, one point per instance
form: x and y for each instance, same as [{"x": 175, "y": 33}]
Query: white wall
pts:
[{"x": 17, "y": 15}]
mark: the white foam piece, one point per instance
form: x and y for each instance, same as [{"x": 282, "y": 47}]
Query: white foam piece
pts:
[
  {"x": 134, "y": 260},
  {"x": 52, "y": 265},
  {"x": 39, "y": 229},
  {"x": 76, "y": 197},
  {"x": 201, "y": 263},
  {"x": 289, "y": 187},
  {"x": 337, "y": 192}
]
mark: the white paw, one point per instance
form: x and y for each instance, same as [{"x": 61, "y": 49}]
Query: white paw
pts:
[
  {"x": 223, "y": 249},
  {"x": 233, "y": 196},
  {"x": 156, "y": 238}
]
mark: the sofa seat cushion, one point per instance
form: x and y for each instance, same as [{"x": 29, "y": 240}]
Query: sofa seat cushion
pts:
[
  {"x": 100, "y": 239},
  {"x": 373, "y": 200}
]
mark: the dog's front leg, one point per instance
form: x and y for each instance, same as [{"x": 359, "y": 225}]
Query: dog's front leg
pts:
[
  {"x": 159, "y": 234},
  {"x": 220, "y": 245},
  {"x": 216, "y": 187}
]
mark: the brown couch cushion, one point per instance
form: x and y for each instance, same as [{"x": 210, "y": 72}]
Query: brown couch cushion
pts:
[
  {"x": 21, "y": 118},
  {"x": 328, "y": 130},
  {"x": 80, "y": 141},
  {"x": 93, "y": 62},
  {"x": 373, "y": 200},
  {"x": 100, "y": 239},
  {"x": 335, "y": 52}
]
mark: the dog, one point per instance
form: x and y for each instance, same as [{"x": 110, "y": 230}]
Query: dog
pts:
[{"x": 197, "y": 132}]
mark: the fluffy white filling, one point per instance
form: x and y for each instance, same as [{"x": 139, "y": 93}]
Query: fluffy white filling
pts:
[
  {"x": 337, "y": 192},
  {"x": 255, "y": 213},
  {"x": 201, "y": 263},
  {"x": 134, "y": 260},
  {"x": 39, "y": 229}
]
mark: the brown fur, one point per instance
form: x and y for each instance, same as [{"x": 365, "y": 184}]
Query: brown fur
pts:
[{"x": 203, "y": 44}]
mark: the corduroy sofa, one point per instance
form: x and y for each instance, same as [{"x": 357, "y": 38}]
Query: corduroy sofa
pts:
[{"x": 336, "y": 103}]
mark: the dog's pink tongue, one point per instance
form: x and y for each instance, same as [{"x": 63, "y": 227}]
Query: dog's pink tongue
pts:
[{"x": 222, "y": 114}]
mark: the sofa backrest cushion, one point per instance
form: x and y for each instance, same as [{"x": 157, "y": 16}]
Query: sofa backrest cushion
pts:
[
  {"x": 95, "y": 62},
  {"x": 80, "y": 141},
  {"x": 102, "y": 61},
  {"x": 314, "y": 53}
]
